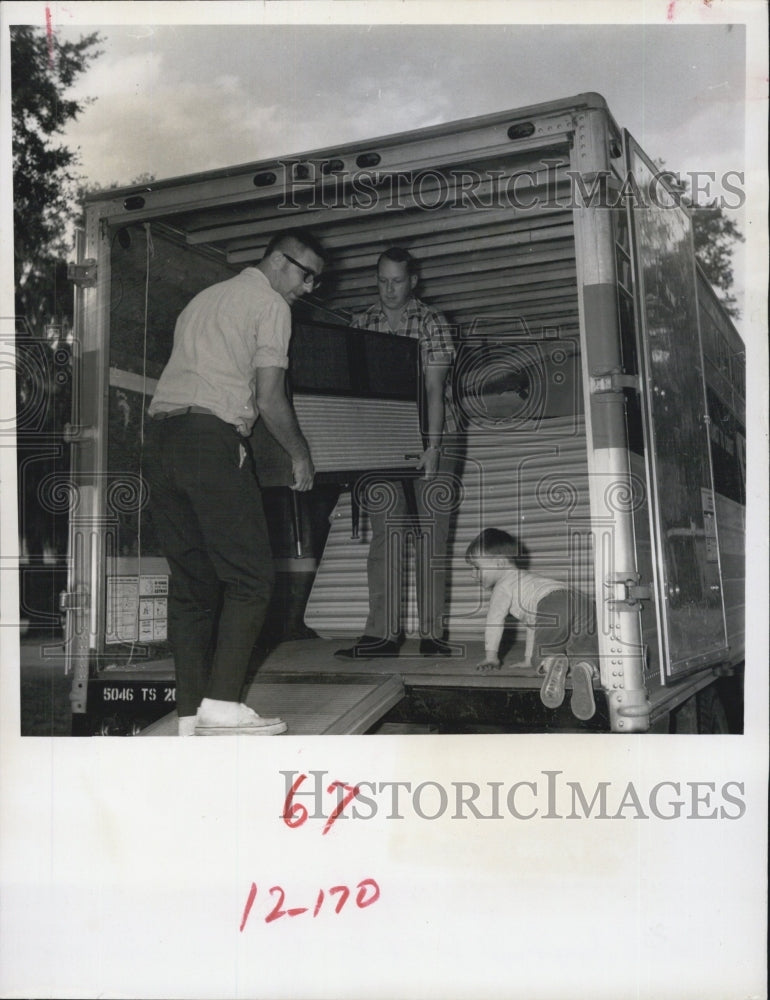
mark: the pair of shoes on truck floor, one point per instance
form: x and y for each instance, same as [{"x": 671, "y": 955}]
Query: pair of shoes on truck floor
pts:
[
  {"x": 370, "y": 647},
  {"x": 230, "y": 718},
  {"x": 582, "y": 676}
]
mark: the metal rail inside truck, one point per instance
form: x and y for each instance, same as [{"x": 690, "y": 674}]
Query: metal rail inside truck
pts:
[{"x": 601, "y": 385}]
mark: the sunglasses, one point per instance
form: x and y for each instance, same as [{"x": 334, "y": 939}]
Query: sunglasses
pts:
[{"x": 309, "y": 277}]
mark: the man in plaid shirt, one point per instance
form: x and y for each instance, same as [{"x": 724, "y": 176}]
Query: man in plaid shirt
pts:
[{"x": 401, "y": 313}]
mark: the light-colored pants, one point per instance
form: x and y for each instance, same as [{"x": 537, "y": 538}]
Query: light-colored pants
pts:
[{"x": 391, "y": 522}]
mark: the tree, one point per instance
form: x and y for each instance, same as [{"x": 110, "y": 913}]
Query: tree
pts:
[
  {"x": 715, "y": 237},
  {"x": 43, "y": 69}
]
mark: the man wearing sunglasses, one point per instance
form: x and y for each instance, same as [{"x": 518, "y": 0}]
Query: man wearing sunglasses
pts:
[{"x": 226, "y": 370}]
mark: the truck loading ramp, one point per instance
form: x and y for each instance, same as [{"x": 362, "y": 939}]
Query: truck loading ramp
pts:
[{"x": 315, "y": 704}]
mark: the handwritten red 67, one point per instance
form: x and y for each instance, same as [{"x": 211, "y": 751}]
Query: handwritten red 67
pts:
[{"x": 295, "y": 813}]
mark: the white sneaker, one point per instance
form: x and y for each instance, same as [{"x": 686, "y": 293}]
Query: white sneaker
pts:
[
  {"x": 582, "y": 702},
  {"x": 228, "y": 718},
  {"x": 186, "y": 725},
  {"x": 552, "y": 690}
]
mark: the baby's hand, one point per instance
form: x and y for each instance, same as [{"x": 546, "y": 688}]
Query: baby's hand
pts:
[{"x": 489, "y": 663}]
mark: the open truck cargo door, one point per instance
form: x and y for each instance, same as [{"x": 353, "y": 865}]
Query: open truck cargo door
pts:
[
  {"x": 580, "y": 376},
  {"x": 688, "y": 591}
]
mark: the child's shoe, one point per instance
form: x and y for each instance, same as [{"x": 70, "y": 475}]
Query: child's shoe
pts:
[
  {"x": 582, "y": 703},
  {"x": 552, "y": 691},
  {"x": 229, "y": 718}
]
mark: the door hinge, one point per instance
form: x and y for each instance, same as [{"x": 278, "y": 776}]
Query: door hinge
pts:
[
  {"x": 629, "y": 592},
  {"x": 74, "y": 600},
  {"x": 83, "y": 274},
  {"x": 77, "y": 434},
  {"x": 614, "y": 382}
]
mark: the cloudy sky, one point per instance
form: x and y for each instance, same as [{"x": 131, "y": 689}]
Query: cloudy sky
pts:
[
  {"x": 173, "y": 99},
  {"x": 170, "y": 97}
]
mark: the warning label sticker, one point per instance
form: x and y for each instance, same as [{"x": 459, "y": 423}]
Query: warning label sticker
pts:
[{"x": 137, "y": 609}]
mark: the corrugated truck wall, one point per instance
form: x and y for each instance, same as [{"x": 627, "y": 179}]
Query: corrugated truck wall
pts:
[{"x": 530, "y": 480}]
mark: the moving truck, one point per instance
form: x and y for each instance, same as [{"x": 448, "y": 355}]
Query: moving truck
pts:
[{"x": 600, "y": 382}]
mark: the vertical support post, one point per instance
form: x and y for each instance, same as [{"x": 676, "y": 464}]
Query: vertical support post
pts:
[
  {"x": 87, "y": 464},
  {"x": 610, "y": 486}
]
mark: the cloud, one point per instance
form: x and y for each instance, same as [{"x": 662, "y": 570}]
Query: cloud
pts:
[
  {"x": 183, "y": 100},
  {"x": 154, "y": 124},
  {"x": 149, "y": 119}
]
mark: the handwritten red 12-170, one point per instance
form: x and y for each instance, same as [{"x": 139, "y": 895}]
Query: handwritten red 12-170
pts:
[{"x": 368, "y": 893}]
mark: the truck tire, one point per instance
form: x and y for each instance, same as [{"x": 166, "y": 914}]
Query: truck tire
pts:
[
  {"x": 684, "y": 719},
  {"x": 712, "y": 717}
]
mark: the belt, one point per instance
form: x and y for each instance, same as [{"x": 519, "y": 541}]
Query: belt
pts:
[
  {"x": 183, "y": 410},
  {"x": 165, "y": 414}
]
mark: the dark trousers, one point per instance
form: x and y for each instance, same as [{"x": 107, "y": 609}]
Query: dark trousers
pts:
[
  {"x": 390, "y": 518},
  {"x": 206, "y": 508},
  {"x": 566, "y": 623}
]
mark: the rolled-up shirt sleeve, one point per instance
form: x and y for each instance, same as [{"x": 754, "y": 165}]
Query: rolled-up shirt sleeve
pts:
[
  {"x": 436, "y": 342},
  {"x": 272, "y": 335}
]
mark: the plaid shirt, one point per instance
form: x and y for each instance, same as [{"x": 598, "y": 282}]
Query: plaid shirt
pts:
[{"x": 432, "y": 331}]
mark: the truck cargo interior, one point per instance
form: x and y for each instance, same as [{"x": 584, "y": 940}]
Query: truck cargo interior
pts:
[{"x": 488, "y": 209}]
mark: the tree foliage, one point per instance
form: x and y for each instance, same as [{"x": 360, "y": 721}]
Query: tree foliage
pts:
[
  {"x": 715, "y": 236},
  {"x": 43, "y": 69}
]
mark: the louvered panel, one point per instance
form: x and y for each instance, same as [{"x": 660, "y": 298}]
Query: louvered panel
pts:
[
  {"x": 347, "y": 433},
  {"x": 428, "y": 200},
  {"x": 539, "y": 305},
  {"x": 526, "y": 278},
  {"x": 457, "y": 238},
  {"x": 333, "y": 220},
  {"x": 535, "y": 319},
  {"x": 348, "y": 243},
  {"x": 521, "y": 268},
  {"x": 529, "y": 276},
  {"x": 531, "y": 480}
]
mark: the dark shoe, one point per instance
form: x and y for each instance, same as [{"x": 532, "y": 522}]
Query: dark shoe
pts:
[
  {"x": 435, "y": 647},
  {"x": 582, "y": 702},
  {"x": 552, "y": 691},
  {"x": 369, "y": 647}
]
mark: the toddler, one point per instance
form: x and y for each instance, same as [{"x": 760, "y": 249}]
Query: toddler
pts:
[{"x": 560, "y": 622}]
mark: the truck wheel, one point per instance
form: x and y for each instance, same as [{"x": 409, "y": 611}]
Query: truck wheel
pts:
[
  {"x": 684, "y": 719},
  {"x": 712, "y": 717},
  {"x": 107, "y": 726}
]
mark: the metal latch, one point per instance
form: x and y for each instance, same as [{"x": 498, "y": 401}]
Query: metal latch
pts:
[
  {"x": 75, "y": 434},
  {"x": 632, "y": 592},
  {"x": 74, "y": 600},
  {"x": 614, "y": 382},
  {"x": 83, "y": 274}
]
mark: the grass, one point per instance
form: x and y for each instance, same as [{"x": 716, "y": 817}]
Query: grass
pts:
[{"x": 44, "y": 693}]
